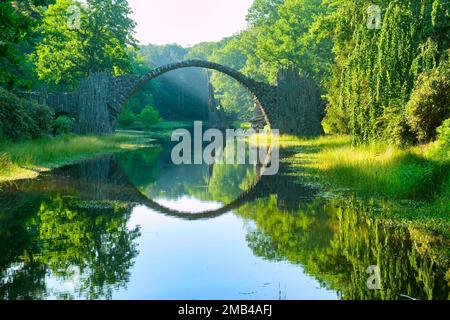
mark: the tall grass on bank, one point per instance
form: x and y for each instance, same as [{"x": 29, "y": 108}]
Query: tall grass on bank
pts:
[
  {"x": 382, "y": 170},
  {"x": 23, "y": 159},
  {"x": 375, "y": 169},
  {"x": 397, "y": 177}
]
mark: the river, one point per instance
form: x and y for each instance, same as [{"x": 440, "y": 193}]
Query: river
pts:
[{"x": 135, "y": 226}]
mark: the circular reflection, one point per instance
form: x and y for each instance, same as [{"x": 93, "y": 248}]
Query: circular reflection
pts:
[{"x": 190, "y": 191}]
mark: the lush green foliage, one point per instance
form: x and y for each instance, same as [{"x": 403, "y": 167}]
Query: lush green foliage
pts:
[
  {"x": 377, "y": 169},
  {"x": 441, "y": 148},
  {"x": 388, "y": 84},
  {"x": 430, "y": 103},
  {"x": 375, "y": 70},
  {"x": 22, "y": 119},
  {"x": 149, "y": 116},
  {"x": 67, "y": 53},
  {"x": 18, "y": 21},
  {"x": 62, "y": 125},
  {"x": 51, "y": 152},
  {"x": 367, "y": 74},
  {"x": 126, "y": 118}
]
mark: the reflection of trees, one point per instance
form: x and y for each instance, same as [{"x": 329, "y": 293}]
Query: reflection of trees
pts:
[
  {"x": 20, "y": 276},
  {"x": 226, "y": 183},
  {"x": 139, "y": 167},
  {"x": 23, "y": 281},
  {"x": 85, "y": 243},
  {"x": 94, "y": 241},
  {"x": 218, "y": 182},
  {"x": 41, "y": 235},
  {"x": 336, "y": 242}
]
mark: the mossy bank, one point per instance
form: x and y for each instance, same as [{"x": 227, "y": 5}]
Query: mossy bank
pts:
[{"x": 26, "y": 159}]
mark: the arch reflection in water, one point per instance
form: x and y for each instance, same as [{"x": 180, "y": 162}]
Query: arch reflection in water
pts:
[
  {"x": 191, "y": 191},
  {"x": 80, "y": 232}
]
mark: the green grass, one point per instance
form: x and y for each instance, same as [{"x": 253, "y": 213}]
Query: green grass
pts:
[
  {"x": 171, "y": 125},
  {"x": 162, "y": 130},
  {"x": 379, "y": 170},
  {"x": 413, "y": 184},
  {"x": 27, "y": 158},
  {"x": 160, "y": 126},
  {"x": 375, "y": 169}
]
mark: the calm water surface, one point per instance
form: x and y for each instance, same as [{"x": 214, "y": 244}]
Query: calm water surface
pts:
[{"x": 134, "y": 226}]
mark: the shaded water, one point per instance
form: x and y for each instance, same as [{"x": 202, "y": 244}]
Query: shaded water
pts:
[{"x": 134, "y": 226}]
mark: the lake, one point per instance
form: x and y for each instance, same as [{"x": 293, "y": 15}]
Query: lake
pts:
[{"x": 135, "y": 226}]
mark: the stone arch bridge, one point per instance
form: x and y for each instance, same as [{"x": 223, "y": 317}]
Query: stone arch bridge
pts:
[
  {"x": 294, "y": 105},
  {"x": 122, "y": 88}
]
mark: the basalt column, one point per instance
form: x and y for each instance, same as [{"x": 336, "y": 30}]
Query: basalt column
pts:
[
  {"x": 93, "y": 115},
  {"x": 300, "y": 109}
]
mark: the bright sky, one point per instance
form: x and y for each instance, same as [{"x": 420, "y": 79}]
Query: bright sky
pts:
[{"x": 188, "y": 22}]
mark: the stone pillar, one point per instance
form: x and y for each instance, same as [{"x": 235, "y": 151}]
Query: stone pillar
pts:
[
  {"x": 300, "y": 108},
  {"x": 258, "y": 121},
  {"x": 92, "y": 97}
]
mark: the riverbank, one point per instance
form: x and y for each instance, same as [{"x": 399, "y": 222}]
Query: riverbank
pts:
[
  {"x": 26, "y": 159},
  {"x": 410, "y": 184},
  {"x": 161, "y": 130}
]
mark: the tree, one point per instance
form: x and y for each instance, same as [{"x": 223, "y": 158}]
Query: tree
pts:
[
  {"x": 144, "y": 96},
  {"x": 18, "y": 20},
  {"x": 374, "y": 70},
  {"x": 68, "y": 53},
  {"x": 429, "y": 105},
  {"x": 126, "y": 117},
  {"x": 287, "y": 41},
  {"x": 234, "y": 98},
  {"x": 149, "y": 116},
  {"x": 21, "y": 118},
  {"x": 263, "y": 12}
]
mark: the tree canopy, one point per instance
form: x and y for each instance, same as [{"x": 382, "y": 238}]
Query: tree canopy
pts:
[{"x": 68, "y": 53}]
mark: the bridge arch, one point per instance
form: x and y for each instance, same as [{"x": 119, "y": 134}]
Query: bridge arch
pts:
[
  {"x": 123, "y": 87},
  {"x": 208, "y": 214},
  {"x": 261, "y": 183}
]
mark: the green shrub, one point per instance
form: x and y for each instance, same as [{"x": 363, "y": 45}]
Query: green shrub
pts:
[
  {"x": 429, "y": 105},
  {"x": 5, "y": 161},
  {"x": 22, "y": 119},
  {"x": 444, "y": 134},
  {"x": 395, "y": 127},
  {"x": 149, "y": 116},
  {"x": 62, "y": 125},
  {"x": 126, "y": 118},
  {"x": 42, "y": 118},
  {"x": 441, "y": 148}
]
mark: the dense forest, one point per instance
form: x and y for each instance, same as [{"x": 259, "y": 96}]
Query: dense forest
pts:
[{"x": 388, "y": 82}]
